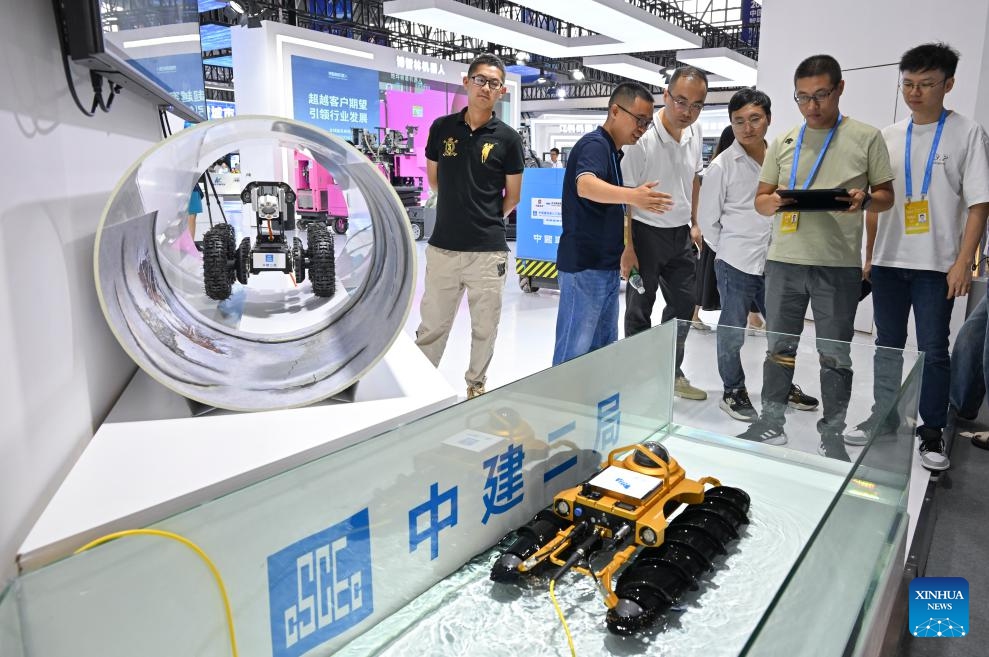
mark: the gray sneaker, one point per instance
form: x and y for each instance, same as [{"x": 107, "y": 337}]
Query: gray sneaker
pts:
[
  {"x": 831, "y": 447},
  {"x": 932, "y": 454},
  {"x": 763, "y": 432}
]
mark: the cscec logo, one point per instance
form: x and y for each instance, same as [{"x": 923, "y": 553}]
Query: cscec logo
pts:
[
  {"x": 939, "y": 607},
  {"x": 320, "y": 586}
]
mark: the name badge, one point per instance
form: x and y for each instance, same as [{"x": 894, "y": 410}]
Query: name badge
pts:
[
  {"x": 789, "y": 222},
  {"x": 918, "y": 217}
]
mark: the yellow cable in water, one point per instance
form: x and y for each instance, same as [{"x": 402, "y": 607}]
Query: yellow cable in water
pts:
[
  {"x": 195, "y": 548},
  {"x": 559, "y": 612}
]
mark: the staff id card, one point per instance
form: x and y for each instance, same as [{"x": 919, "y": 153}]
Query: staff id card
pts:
[
  {"x": 789, "y": 222},
  {"x": 918, "y": 217}
]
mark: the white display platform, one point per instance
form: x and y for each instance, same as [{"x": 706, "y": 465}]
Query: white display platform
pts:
[{"x": 152, "y": 459}]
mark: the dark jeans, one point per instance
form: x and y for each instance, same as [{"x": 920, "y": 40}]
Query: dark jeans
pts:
[
  {"x": 833, "y": 295},
  {"x": 894, "y": 292},
  {"x": 739, "y": 291},
  {"x": 970, "y": 362},
  {"x": 666, "y": 263},
  {"x": 587, "y": 317}
]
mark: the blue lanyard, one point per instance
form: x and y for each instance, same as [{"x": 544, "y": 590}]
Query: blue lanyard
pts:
[
  {"x": 618, "y": 177},
  {"x": 817, "y": 165},
  {"x": 930, "y": 158}
]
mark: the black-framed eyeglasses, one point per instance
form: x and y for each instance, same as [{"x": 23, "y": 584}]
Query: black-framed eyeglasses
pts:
[
  {"x": 924, "y": 87},
  {"x": 818, "y": 97},
  {"x": 684, "y": 104},
  {"x": 493, "y": 84},
  {"x": 645, "y": 124}
]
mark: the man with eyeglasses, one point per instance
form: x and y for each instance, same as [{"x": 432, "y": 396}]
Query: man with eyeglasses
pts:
[
  {"x": 919, "y": 253},
  {"x": 594, "y": 206},
  {"x": 659, "y": 245},
  {"x": 816, "y": 257},
  {"x": 474, "y": 164},
  {"x": 740, "y": 237}
]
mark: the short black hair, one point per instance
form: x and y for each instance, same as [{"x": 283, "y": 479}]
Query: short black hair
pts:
[
  {"x": 627, "y": 92},
  {"x": 555, "y": 150},
  {"x": 930, "y": 57},
  {"x": 747, "y": 96},
  {"x": 487, "y": 59},
  {"x": 687, "y": 72},
  {"x": 819, "y": 65}
]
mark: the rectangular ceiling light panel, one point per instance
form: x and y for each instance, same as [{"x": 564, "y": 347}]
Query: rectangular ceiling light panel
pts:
[
  {"x": 738, "y": 68},
  {"x": 466, "y": 20},
  {"x": 629, "y": 67},
  {"x": 635, "y": 27}
]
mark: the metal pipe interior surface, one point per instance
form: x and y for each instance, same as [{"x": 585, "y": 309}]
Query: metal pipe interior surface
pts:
[{"x": 272, "y": 344}]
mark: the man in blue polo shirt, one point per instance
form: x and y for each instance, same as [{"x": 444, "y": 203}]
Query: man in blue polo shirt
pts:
[{"x": 594, "y": 206}]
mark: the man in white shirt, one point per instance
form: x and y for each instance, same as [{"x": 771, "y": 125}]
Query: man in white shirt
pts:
[
  {"x": 554, "y": 159},
  {"x": 658, "y": 245},
  {"x": 740, "y": 237},
  {"x": 919, "y": 253}
]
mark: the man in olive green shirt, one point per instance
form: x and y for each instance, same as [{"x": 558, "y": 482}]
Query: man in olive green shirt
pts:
[{"x": 815, "y": 257}]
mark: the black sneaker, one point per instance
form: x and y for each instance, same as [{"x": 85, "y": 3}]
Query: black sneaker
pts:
[
  {"x": 736, "y": 404},
  {"x": 833, "y": 447},
  {"x": 932, "y": 455},
  {"x": 763, "y": 432},
  {"x": 798, "y": 400}
]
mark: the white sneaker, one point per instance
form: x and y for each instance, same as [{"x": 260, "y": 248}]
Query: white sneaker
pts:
[{"x": 700, "y": 326}]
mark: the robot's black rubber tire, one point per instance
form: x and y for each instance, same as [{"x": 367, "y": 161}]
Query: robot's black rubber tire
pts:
[
  {"x": 298, "y": 260},
  {"x": 322, "y": 263},
  {"x": 417, "y": 231},
  {"x": 215, "y": 277},
  {"x": 315, "y": 229},
  {"x": 340, "y": 225},
  {"x": 231, "y": 239},
  {"x": 244, "y": 261}
]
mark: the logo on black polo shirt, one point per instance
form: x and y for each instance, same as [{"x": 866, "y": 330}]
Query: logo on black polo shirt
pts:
[
  {"x": 485, "y": 151},
  {"x": 449, "y": 147}
]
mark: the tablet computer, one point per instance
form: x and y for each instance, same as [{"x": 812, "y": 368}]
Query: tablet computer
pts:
[{"x": 811, "y": 200}]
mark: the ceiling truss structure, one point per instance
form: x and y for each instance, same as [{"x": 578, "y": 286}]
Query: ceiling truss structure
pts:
[{"x": 365, "y": 20}]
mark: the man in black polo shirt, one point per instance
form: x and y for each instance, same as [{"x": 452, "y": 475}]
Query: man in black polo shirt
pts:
[
  {"x": 594, "y": 206},
  {"x": 474, "y": 163}
]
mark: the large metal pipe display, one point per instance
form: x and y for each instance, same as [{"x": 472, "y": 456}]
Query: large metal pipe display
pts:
[{"x": 273, "y": 344}]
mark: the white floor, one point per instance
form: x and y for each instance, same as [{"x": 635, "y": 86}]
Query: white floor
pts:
[{"x": 525, "y": 346}]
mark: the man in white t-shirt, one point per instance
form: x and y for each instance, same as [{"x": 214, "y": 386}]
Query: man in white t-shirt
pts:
[
  {"x": 919, "y": 253},
  {"x": 554, "y": 159},
  {"x": 658, "y": 245}
]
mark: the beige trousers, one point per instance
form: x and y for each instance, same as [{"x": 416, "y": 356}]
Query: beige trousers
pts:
[{"x": 448, "y": 274}]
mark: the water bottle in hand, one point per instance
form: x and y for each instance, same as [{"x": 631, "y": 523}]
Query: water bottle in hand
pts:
[{"x": 635, "y": 280}]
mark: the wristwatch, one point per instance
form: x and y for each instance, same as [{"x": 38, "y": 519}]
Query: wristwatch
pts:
[{"x": 866, "y": 201}]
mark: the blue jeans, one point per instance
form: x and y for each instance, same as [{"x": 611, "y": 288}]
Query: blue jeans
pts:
[
  {"x": 587, "y": 318},
  {"x": 738, "y": 291},
  {"x": 970, "y": 362},
  {"x": 894, "y": 291}
]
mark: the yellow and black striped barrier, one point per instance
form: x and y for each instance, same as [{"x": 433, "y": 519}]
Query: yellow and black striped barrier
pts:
[{"x": 535, "y": 268}]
